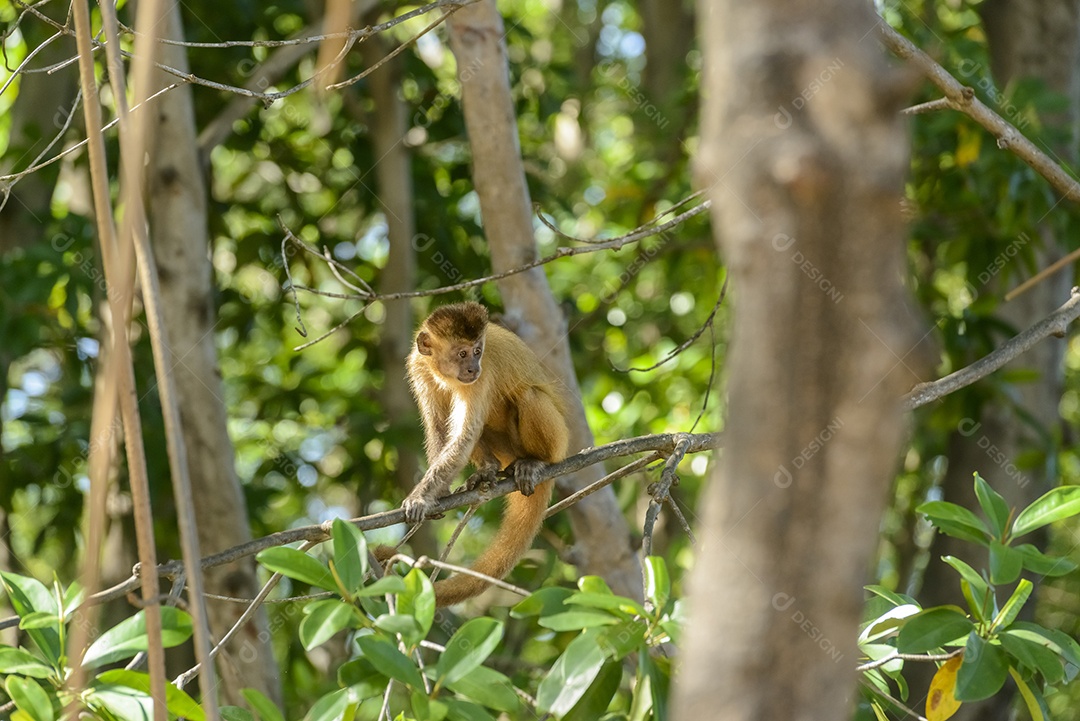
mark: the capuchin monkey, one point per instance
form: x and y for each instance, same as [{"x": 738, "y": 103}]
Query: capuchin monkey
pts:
[{"x": 484, "y": 396}]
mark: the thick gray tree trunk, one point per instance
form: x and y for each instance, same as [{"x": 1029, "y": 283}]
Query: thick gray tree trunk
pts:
[
  {"x": 803, "y": 154},
  {"x": 476, "y": 37},
  {"x": 177, "y": 201}
]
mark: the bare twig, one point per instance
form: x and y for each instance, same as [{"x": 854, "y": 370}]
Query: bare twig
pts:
[
  {"x": 368, "y": 295},
  {"x": 1055, "y": 324},
  {"x": 1042, "y": 275},
  {"x": 908, "y": 657},
  {"x": 689, "y": 341},
  {"x": 661, "y": 489},
  {"x": 962, "y": 98}
]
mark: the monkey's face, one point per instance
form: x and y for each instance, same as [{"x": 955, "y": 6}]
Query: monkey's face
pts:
[
  {"x": 462, "y": 361},
  {"x": 453, "y": 359}
]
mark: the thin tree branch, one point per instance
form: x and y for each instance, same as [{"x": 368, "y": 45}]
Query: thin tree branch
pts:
[
  {"x": 1055, "y": 324},
  {"x": 962, "y": 98},
  {"x": 663, "y": 443},
  {"x": 908, "y": 657}
]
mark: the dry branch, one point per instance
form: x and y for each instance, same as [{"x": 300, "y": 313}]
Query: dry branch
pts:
[{"x": 1055, "y": 324}]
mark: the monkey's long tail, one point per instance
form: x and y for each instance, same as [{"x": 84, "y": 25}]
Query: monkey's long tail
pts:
[{"x": 522, "y": 519}]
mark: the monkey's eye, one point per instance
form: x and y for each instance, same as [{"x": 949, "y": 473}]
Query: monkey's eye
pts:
[
  {"x": 478, "y": 351},
  {"x": 462, "y": 354}
]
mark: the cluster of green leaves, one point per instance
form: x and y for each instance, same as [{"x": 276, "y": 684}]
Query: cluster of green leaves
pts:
[
  {"x": 390, "y": 619},
  {"x": 35, "y": 678},
  {"x": 994, "y": 643}
]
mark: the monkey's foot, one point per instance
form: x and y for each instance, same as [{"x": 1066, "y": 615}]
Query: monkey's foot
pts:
[
  {"x": 417, "y": 507},
  {"x": 527, "y": 474},
  {"x": 485, "y": 476}
]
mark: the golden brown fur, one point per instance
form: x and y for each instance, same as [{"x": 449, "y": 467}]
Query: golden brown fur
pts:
[{"x": 484, "y": 396}]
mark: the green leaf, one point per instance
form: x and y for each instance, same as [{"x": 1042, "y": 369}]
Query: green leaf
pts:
[
  {"x": 28, "y": 595},
  {"x": 544, "y": 602},
  {"x": 299, "y": 565},
  {"x": 1012, "y": 607},
  {"x": 176, "y": 701},
  {"x": 418, "y": 601},
  {"x": 1055, "y": 505},
  {"x": 892, "y": 597},
  {"x": 1034, "y": 702},
  {"x": 390, "y": 662},
  {"x": 1033, "y": 653},
  {"x": 1057, "y": 641},
  {"x": 266, "y": 709},
  {"x": 1005, "y": 563},
  {"x": 575, "y": 620},
  {"x": 30, "y": 698},
  {"x": 333, "y": 706},
  {"x": 458, "y": 710},
  {"x": 594, "y": 584},
  {"x": 386, "y": 584},
  {"x": 128, "y": 637},
  {"x": 993, "y": 505},
  {"x": 22, "y": 663},
  {"x": 468, "y": 648},
  {"x": 235, "y": 713},
  {"x": 981, "y": 608},
  {"x": 620, "y": 604},
  {"x": 124, "y": 703},
  {"x": 405, "y": 625},
  {"x": 1042, "y": 564},
  {"x": 657, "y": 583},
  {"x": 658, "y": 671},
  {"x": 39, "y": 619},
  {"x": 983, "y": 671},
  {"x": 350, "y": 555},
  {"x": 571, "y": 675},
  {"x": 488, "y": 688},
  {"x": 323, "y": 619},
  {"x": 595, "y": 702},
  {"x": 932, "y": 629},
  {"x": 956, "y": 521},
  {"x": 981, "y": 596},
  {"x": 623, "y": 639}
]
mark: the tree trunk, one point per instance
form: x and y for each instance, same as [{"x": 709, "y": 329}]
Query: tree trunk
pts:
[
  {"x": 803, "y": 154},
  {"x": 476, "y": 37},
  {"x": 178, "y": 222},
  {"x": 1027, "y": 39}
]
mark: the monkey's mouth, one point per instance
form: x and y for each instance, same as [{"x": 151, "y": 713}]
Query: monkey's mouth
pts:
[{"x": 467, "y": 380}]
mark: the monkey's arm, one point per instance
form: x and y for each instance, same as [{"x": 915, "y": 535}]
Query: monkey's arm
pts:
[{"x": 462, "y": 434}]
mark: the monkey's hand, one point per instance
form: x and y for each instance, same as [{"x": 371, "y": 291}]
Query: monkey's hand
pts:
[
  {"x": 418, "y": 505},
  {"x": 527, "y": 474}
]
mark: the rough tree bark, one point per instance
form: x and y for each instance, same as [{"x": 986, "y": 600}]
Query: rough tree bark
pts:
[
  {"x": 1030, "y": 39},
  {"x": 177, "y": 201},
  {"x": 476, "y": 37},
  {"x": 804, "y": 155}
]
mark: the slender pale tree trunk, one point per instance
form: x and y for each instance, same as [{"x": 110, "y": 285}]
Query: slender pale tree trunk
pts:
[
  {"x": 477, "y": 39},
  {"x": 178, "y": 222},
  {"x": 806, "y": 209}
]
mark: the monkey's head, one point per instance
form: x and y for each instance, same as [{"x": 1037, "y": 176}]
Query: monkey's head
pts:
[{"x": 452, "y": 338}]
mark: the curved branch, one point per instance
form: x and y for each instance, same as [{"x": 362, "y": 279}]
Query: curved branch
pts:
[
  {"x": 1054, "y": 324},
  {"x": 962, "y": 98}
]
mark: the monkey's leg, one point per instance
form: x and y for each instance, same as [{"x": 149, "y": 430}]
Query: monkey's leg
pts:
[{"x": 544, "y": 437}]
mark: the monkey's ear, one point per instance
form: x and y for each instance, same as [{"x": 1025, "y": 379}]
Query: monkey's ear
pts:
[{"x": 423, "y": 343}]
